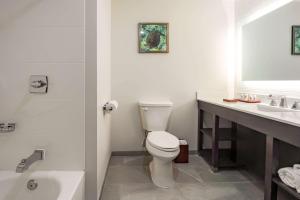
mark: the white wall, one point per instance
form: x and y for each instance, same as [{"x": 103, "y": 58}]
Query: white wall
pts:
[
  {"x": 42, "y": 37},
  {"x": 104, "y": 86},
  {"x": 196, "y": 62}
]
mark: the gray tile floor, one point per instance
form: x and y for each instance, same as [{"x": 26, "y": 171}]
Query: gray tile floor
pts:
[{"x": 128, "y": 179}]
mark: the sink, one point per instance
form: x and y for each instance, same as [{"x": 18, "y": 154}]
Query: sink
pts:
[{"x": 269, "y": 108}]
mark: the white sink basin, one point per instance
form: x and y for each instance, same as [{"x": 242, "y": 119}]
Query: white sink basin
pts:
[{"x": 268, "y": 108}]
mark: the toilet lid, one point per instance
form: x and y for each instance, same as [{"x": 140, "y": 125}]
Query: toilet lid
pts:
[{"x": 163, "y": 140}]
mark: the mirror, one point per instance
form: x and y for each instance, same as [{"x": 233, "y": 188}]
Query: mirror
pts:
[{"x": 271, "y": 45}]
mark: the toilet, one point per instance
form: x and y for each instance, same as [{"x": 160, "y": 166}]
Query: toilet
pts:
[{"x": 162, "y": 145}]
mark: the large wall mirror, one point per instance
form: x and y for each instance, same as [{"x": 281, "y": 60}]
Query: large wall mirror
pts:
[{"x": 271, "y": 45}]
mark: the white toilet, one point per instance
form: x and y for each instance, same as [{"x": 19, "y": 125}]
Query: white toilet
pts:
[{"x": 163, "y": 146}]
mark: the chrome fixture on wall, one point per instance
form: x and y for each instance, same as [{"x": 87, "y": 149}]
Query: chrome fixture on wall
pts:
[
  {"x": 7, "y": 127},
  {"x": 110, "y": 106},
  {"x": 38, "y": 84},
  {"x": 37, "y": 155}
]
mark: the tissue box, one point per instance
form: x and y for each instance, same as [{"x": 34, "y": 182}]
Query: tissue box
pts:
[{"x": 183, "y": 156}]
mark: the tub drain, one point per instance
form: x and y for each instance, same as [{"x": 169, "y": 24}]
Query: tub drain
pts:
[{"x": 32, "y": 184}]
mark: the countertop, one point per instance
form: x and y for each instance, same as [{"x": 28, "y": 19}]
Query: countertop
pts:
[{"x": 292, "y": 118}]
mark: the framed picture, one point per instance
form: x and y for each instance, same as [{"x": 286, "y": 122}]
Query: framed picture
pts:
[
  {"x": 296, "y": 40},
  {"x": 153, "y": 37}
]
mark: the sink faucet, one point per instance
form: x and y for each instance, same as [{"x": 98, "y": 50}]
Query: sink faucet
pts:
[
  {"x": 283, "y": 102},
  {"x": 273, "y": 101},
  {"x": 296, "y": 105},
  {"x": 37, "y": 155}
]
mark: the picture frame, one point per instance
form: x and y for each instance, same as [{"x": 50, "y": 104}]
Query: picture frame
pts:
[
  {"x": 296, "y": 40},
  {"x": 153, "y": 37}
]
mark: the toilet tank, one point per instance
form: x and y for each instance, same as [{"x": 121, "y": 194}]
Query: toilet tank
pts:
[{"x": 155, "y": 114}]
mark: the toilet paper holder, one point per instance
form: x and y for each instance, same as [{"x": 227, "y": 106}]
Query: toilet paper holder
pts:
[{"x": 110, "y": 106}]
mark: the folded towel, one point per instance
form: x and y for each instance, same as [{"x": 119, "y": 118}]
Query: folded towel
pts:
[
  {"x": 297, "y": 168},
  {"x": 298, "y": 185},
  {"x": 290, "y": 177}
]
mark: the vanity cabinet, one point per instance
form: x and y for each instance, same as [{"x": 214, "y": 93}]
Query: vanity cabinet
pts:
[
  {"x": 217, "y": 158},
  {"x": 275, "y": 131}
]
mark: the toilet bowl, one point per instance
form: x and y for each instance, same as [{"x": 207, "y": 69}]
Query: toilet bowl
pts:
[{"x": 164, "y": 147}]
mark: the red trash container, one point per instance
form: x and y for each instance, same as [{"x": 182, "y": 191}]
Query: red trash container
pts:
[{"x": 183, "y": 156}]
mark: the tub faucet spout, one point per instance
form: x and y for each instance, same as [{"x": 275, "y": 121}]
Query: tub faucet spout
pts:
[{"x": 26, "y": 163}]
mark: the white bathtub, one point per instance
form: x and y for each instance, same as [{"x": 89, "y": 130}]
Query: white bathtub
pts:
[{"x": 52, "y": 185}]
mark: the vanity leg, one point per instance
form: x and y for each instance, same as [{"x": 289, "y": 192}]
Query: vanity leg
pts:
[
  {"x": 215, "y": 143},
  {"x": 272, "y": 162},
  {"x": 200, "y": 126},
  {"x": 233, "y": 153}
]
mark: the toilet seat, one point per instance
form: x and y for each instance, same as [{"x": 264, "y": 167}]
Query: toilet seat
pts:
[{"x": 163, "y": 141}]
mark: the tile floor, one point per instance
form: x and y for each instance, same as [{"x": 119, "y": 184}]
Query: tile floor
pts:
[{"x": 128, "y": 179}]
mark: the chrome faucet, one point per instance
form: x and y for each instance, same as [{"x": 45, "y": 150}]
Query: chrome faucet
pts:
[
  {"x": 273, "y": 101},
  {"x": 283, "y": 102},
  {"x": 37, "y": 155},
  {"x": 296, "y": 105}
]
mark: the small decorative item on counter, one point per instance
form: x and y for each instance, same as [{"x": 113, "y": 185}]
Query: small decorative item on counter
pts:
[
  {"x": 244, "y": 97},
  {"x": 250, "y": 101},
  {"x": 249, "y": 98},
  {"x": 183, "y": 156},
  {"x": 230, "y": 100}
]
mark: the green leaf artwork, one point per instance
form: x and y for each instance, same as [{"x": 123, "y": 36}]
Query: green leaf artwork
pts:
[
  {"x": 296, "y": 40},
  {"x": 153, "y": 38}
]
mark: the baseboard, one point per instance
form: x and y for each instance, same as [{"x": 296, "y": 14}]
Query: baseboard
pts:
[
  {"x": 193, "y": 152},
  {"x": 140, "y": 153},
  {"x": 130, "y": 153}
]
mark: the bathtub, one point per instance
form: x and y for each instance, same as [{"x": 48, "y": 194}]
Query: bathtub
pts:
[{"x": 52, "y": 185}]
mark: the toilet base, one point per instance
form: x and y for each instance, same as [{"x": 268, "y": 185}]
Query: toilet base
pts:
[{"x": 162, "y": 173}]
